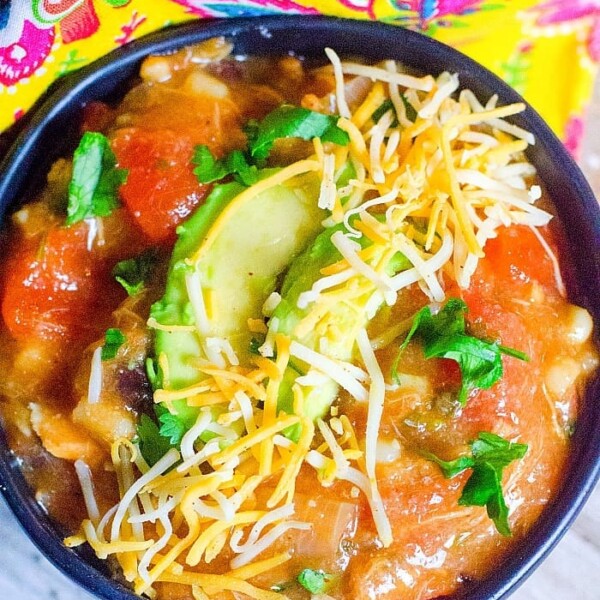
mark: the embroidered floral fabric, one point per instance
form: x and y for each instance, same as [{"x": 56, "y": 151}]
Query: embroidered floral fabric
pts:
[{"x": 548, "y": 50}]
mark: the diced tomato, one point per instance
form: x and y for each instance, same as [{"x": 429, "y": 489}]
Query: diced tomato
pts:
[
  {"x": 514, "y": 263},
  {"x": 55, "y": 287},
  {"x": 516, "y": 256},
  {"x": 161, "y": 188}
]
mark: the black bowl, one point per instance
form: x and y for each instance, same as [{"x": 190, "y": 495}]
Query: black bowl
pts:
[{"x": 47, "y": 136}]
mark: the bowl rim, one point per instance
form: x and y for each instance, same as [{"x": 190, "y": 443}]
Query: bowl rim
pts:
[{"x": 18, "y": 163}]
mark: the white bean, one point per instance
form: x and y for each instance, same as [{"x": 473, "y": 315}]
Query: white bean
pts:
[
  {"x": 156, "y": 69},
  {"x": 387, "y": 450},
  {"x": 561, "y": 375},
  {"x": 202, "y": 83},
  {"x": 580, "y": 325}
]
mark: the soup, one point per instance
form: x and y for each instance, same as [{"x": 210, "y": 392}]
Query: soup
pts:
[{"x": 281, "y": 329}]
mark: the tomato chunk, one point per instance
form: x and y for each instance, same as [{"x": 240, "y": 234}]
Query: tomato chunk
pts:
[
  {"x": 161, "y": 188},
  {"x": 516, "y": 256},
  {"x": 55, "y": 286}
]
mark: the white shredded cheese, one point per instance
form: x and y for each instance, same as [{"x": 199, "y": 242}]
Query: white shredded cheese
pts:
[
  {"x": 84, "y": 474},
  {"x": 267, "y": 540},
  {"x": 219, "y": 348},
  {"x": 341, "y": 462},
  {"x": 555, "y": 264},
  {"x": 95, "y": 382},
  {"x": 447, "y": 85},
  {"x": 193, "y": 286},
  {"x": 378, "y": 74},
  {"x": 328, "y": 190},
  {"x": 190, "y": 436},
  {"x": 330, "y": 368},
  {"x": 348, "y": 249},
  {"x": 340, "y": 91},
  {"x": 166, "y": 462}
]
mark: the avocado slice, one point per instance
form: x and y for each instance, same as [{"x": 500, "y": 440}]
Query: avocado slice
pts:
[
  {"x": 236, "y": 244},
  {"x": 340, "y": 324}
]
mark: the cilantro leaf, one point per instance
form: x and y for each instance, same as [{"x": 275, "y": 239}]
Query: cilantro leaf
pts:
[
  {"x": 243, "y": 172},
  {"x": 496, "y": 449},
  {"x": 293, "y": 122},
  {"x": 133, "y": 273},
  {"x": 313, "y": 581},
  {"x": 153, "y": 446},
  {"x": 451, "y": 468},
  {"x": 490, "y": 454},
  {"x": 484, "y": 488},
  {"x": 411, "y": 113},
  {"x": 113, "y": 340},
  {"x": 444, "y": 336},
  {"x": 154, "y": 438},
  {"x": 210, "y": 169},
  {"x": 387, "y": 104},
  {"x": 93, "y": 190},
  {"x": 384, "y": 107},
  {"x": 255, "y": 344},
  {"x": 172, "y": 427}
]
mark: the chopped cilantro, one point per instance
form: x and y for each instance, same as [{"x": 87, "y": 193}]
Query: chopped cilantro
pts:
[
  {"x": 133, "y": 273},
  {"x": 210, "y": 169},
  {"x": 384, "y": 107},
  {"x": 443, "y": 336},
  {"x": 411, "y": 113},
  {"x": 154, "y": 438},
  {"x": 313, "y": 581},
  {"x": 113, "y": 340},
  {"x": 284, "y": 122},
  {"x": 93, "y": 190},
  {"x": 490, "y": 453},
  {"x": 293, "y": 122},
  {"x": 255, "y": 344},
  {"x": 387, "y": 104},
  {"x": 153, "y": 446},
  {"x": 172, "y": 427}
]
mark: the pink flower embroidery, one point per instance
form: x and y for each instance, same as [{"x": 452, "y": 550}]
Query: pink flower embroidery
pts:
[
  {"x": 574, "y": 131},
  {"x": 129, "y": 29},
  {"x": 430, "y": 10},
  {"x": 22, "y": 57},
  {"x": 554, "y": 12},
  {"x": 235, "y": 8}
]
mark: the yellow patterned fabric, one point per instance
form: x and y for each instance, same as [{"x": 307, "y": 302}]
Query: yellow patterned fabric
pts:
[{"x": 548, "y": 50}]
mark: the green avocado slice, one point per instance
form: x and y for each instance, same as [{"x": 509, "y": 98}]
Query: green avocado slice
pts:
[
  {"x": 245, "y": 242},
  {"x": 344, "y": 320}
]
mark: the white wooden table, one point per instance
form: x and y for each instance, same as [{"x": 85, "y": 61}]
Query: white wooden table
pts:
[{"x": 572, "y": 572}]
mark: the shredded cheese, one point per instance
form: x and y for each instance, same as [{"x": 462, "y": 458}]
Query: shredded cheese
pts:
[
  {"x": 426, "y": 195},
  {"x": 376, "y": 399},
  {"x": 95, "y": 383},
  {"x": 84, "y": 475},
  {"x": 330, "y": 368},
  {"x": 340, "y": 95}
]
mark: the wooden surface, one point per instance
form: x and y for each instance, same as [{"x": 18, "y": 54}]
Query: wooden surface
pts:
[{"x": 571, "y": 572}]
